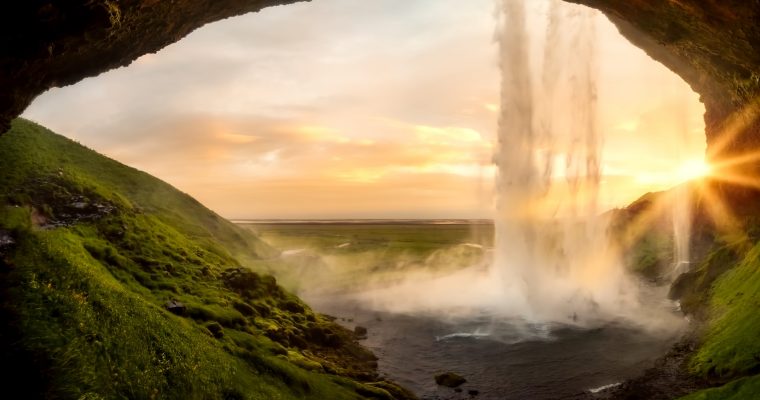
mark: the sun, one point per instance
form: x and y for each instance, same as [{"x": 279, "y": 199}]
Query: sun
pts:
[{"x": 693, "y": 169}]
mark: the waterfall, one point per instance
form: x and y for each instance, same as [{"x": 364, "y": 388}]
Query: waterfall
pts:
[
  {"x": 551, "y": 244},
  {"x": 681, "y": 204}
]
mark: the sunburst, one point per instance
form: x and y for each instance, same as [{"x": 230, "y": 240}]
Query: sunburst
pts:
[{"x": 708, "y": 179}]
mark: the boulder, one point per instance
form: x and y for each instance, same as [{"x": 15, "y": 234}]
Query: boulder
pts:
[
  {"x": 449, "y": 379},
  {"x": 360, "y": 332}
]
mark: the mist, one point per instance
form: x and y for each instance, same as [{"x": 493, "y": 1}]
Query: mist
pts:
[{"x": 551, "y": 261}]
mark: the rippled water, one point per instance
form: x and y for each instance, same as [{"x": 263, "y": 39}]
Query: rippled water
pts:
[{"x": 502, "y": 359}]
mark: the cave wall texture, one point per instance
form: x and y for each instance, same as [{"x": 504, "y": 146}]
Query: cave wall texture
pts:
[{"x": 714, "y": 45}]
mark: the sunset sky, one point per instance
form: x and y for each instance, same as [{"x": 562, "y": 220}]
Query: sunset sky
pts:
[{"x": 358, "y": 109}]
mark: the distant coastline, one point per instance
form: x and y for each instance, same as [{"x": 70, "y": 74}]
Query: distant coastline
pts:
[{"x": 363, "y": 221}]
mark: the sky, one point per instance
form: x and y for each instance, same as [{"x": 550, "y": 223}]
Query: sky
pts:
[{"x": 359, "y": 109}]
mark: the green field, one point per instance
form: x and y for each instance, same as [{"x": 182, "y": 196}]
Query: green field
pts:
[{"x": 337, "y": 256}]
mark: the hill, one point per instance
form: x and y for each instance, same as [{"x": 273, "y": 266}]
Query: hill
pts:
[{"x": 116, "y": 285}]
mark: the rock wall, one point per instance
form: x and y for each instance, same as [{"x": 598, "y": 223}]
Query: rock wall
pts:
[{"x": 713, "y": 44}]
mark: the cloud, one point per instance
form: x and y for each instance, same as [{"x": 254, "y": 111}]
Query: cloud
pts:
[{"x": 381, "y": 108}]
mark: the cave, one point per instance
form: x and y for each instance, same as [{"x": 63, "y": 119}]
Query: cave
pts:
[{"x": 714, "y": 46}]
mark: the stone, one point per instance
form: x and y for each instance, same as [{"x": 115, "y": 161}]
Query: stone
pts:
[
  {"x": 175, "y": 307},
  {"x": 216, "y": 329},
  {"x": 449, "y": 379},
  {"x": 360, "y": 332}
]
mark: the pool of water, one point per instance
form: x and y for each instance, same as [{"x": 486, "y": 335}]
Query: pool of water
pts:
[{"x": 501, "y": 358}]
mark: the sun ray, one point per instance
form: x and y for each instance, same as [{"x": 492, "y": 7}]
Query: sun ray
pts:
[
  {"x": 644, "y": 220},
  {"x": 732, "y": 128},
  {"x": 726, "y": 164},
  {"x": 739, "y": 179},
  {"x": 725, "y": 221}
]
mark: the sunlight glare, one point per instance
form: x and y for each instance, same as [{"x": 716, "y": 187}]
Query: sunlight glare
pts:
[{"x": 693, "y": 169}]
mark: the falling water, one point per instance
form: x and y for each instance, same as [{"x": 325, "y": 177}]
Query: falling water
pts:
[
  {"x": 681, "y": 207},
  {"x": 552, "y": 247}
]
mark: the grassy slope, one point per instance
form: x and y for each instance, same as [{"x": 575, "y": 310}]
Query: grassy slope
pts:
[
  {"x": 722, "y": 293},
  {"x": 83, "y": 301},
  {"x": 731, "y": 344}
]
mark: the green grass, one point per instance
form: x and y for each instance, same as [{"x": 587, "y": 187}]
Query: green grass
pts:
[
  {"x": 419, "y": 240},
  {"x": 740, "y": 389},
  {"x": 728, "y": 291},
  {"x": 84, "y": 289},
  {"x": 338, "y": 256},
  {"x": 731, "y": 346}
]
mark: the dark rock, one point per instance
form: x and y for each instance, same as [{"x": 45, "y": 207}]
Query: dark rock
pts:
[
  {"x": 449, "y": 379},
  {"x": 298, "y": 341},
  {"x": 360, "y": 332},
  {"x": 458, "y": 390},
  {"x": 175, "y": 307},
  {"x": 250, "y": 284},
  {"x": 473, "y": 392},
  {"x": 244, "y": 308},
  {"x": 216, "y": 329},
  {"x": 324, "y": 337},
  {"x": 293, "y": 307},
  {"x": 262, "y": 309}
]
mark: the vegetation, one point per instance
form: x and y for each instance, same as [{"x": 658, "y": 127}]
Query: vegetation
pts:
[
  {"x": 115, "y": 285},
  {"x": 342, "y": 255},
  {"x": 730, "y": 350},
  {"x": 92, "y": 253}
]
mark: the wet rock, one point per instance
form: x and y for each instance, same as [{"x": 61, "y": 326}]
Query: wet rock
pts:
[
  {"x": 6, "y": 239},
  {"x": 360, "y": 332},
  {"x": 473, "y": 392},
  {"x": 322, "y": 336},
  {"x": 449, "y": 379}
]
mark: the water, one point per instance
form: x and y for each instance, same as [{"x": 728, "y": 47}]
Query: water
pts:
[
  {"x": 553, "y": 257},
  {"x": 501, "y": 358}
]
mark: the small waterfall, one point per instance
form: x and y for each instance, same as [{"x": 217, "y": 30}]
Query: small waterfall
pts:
[
  {"x": 681, "y": 212},
  {"x": 681, "y": 205},
  {"x": 551, "y": 244}
]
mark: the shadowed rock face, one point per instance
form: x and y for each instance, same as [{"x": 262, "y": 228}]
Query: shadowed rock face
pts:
[{"x": 713, "y": 44}]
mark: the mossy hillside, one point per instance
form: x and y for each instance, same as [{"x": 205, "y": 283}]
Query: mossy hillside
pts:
[
  {"x": 724, "y": 293},
  {"x": 93, "y": 263},
  {"x": 32, "y": 158},
  {"x": 740, "y": 389},
  {"x": 731, "y": 346}
]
